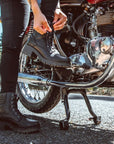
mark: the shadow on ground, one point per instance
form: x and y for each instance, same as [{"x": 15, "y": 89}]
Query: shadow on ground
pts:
[{"x": 51, "y": 134}]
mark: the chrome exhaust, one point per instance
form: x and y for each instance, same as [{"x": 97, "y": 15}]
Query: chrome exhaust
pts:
[
  {"x": 35, "y": 80},
  {"x": 31, "y": 79}
]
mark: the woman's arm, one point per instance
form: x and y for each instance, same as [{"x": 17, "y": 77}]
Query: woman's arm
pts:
[
  {"x": 59, "y": 18},
  {"x": 40, "y": 22}
]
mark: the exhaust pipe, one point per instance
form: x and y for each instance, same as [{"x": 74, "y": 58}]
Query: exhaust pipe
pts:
[
  {"x": 35, "y": 80},
  {"x": 31, "y": 79}
]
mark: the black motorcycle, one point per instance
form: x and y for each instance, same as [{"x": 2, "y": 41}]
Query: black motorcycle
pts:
[{"x": 88, "y": 40}]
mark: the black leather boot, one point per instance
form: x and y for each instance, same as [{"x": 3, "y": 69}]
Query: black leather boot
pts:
[
  {"x": 46, "y": 49},
  {"x": 12, "y": 119}
]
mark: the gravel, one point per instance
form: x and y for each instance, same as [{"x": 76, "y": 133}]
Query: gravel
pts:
[{"x": 81, "y": 130}]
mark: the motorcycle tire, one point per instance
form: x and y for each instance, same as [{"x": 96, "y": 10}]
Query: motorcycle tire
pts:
[{"x": 39, "y": 104}]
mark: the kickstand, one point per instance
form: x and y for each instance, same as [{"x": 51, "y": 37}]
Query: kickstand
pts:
[
  {"x": 64, "y": 124},
  {"x": 95, "y": 118}
]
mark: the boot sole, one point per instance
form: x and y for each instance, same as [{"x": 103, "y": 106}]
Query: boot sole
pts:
[
  {"x": 49, "y": 62},
  {"x": 10, "y": 126}
]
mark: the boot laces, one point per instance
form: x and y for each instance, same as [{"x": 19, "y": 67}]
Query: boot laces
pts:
[
  {"x": 15, "y": 108},
  {"x": 50, "y": 43}
]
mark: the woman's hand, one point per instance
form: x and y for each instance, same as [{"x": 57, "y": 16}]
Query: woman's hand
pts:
[
  {"x": 59, "y": 19},
  {"x": 40, "y": 23}
]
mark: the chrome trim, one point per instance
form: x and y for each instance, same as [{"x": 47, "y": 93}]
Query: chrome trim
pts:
[
  {"x": 70, "y": 4},
  {"x": 31, "y": 79}
]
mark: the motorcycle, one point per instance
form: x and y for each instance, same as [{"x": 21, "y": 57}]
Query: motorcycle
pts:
[{"x": 88, "y": 40}]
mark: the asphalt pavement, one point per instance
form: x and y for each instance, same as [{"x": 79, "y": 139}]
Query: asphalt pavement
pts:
[{"x": 81, "y": 130}]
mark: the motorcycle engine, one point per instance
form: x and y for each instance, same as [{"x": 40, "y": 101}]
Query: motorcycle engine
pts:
[
  {"x": 105, "y": 20},
  {"x": 105, "y": 23},
  {"x": 89, "y": 39},
  {"x": 100, "y": 50}
]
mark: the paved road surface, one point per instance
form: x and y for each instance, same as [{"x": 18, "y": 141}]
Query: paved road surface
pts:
[{"x": 81, "y": 131}]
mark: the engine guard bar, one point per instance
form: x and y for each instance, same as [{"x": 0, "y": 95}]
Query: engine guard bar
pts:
[{"x": 32, "y": 79}]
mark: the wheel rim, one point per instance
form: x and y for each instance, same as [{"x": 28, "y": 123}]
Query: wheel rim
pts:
[{"x": 31, "y": 65}]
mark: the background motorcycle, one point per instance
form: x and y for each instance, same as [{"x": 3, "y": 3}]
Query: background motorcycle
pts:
[{"x": 87, "y": 39}]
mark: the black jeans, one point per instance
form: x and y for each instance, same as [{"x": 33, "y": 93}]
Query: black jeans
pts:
[{"x": 15, "y": 18}]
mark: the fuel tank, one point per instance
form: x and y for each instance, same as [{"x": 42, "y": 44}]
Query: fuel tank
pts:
[
  {"x": 95, "y": 1},
  {"x": 78, "y": 2}
]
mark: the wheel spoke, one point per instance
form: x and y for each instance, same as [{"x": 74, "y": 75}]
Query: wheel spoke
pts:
[{"x": 32, "y": 93}]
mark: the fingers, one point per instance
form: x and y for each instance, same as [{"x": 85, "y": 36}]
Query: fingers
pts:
[
  {"x": 60, "y": 23},
  {"x": 46, "y": 26},
  {"x": 59, "y": 20},
  {"x": 41, "y": 25},
  {"x": 55, "y": 18},
  {"x": 59, "y": 27},
  {"x": 42, "y": 28}
]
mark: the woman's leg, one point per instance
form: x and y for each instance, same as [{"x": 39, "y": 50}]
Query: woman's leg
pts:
[
  {"x": 15, "y": 17},
  {"x": 48, "y": 8}
]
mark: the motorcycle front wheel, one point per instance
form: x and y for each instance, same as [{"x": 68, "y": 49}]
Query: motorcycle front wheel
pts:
[{"x": 37, "y": 98}]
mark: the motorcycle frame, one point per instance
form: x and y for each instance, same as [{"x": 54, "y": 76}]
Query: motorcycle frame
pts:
[{"x": 32, "y": 79}]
